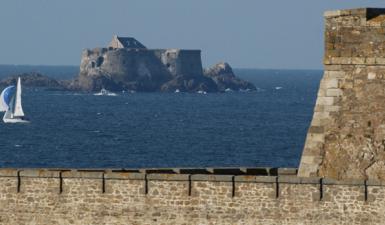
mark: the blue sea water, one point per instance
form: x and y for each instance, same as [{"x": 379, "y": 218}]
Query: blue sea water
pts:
[{"x": 262, "y": 128}]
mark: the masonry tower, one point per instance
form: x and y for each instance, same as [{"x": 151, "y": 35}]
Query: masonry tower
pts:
[{"x": 346, "y": 138}]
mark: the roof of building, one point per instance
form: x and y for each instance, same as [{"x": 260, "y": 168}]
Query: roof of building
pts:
[{"x": 130, "y": 42}]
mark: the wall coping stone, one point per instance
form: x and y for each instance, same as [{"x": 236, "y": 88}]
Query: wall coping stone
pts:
[
  {"x": 290, "y": 180},
  {"x": 169, "y": 177},
  {"x": 287, "y": 171},
  {"x": 310, "y": 180},
  {"x": 375, "y": 183},
  {"x": 8, "y": 172},
  {"x": 362, "y": 12},
  {"x": 38, "y": 173},
  {"x": 124, "y": 176},
  {"x": 257, "y": 179},
  {"x": 210, "y": 177},
  {"x": 134, "y": 174},
  {"x": 354, "y": 182},
  {"x": 82, "y": 174},
  {"x": 259, "y": 171}
]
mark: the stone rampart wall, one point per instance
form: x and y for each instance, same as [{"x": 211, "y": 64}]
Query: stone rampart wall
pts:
[
  {"x": 123, "y": 197},
  {"x": 347, "y": 134}
]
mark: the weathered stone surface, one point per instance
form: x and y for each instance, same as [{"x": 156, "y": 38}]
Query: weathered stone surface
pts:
[
  {"x": 47, "y": 197},
  {"x": 349, "y": 138}
]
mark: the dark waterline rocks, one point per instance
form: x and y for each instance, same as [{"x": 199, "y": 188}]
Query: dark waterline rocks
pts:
[
  {"x": 34, "y": 80},
  {"x": 218, "y": 78}
]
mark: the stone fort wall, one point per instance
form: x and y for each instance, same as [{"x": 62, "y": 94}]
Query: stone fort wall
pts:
[
  {"x": 130, "y": 64},
  {"x": 132, "y": 197},
  {"x": 347, "y": 134}
]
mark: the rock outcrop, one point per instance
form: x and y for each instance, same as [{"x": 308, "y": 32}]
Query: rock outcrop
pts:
[
  {"x": 223, "y": 76},
  {"x": 34, "y": 80},
  {"x": 190, "y": 84}
]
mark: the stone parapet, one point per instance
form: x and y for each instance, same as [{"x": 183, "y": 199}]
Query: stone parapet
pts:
[
  {"x": 133, "y": 196},
  {"x": 285, "y": 175}
]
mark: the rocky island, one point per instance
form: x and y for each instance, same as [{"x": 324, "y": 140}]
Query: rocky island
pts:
[{"x": 127, "y": 65}]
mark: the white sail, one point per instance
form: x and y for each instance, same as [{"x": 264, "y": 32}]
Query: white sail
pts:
[
  {"x": 7, "y": 115},
  {"x": 18, "y": 110},
  {"x": 3, "y": 105},
  {"x": 5, "y": 98}
]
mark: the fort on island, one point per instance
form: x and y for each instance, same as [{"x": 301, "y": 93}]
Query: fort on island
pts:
[
  {"x": 126, "y": 64},
  {"x": 340, "y": 179}
]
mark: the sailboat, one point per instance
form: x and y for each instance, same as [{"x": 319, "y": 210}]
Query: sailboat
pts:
[{"x": 11, "y": 104}]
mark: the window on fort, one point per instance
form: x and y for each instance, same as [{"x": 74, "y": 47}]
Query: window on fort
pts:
[
  {"x": 168, "y": 65},
  {"x": 92, "y": 64}
]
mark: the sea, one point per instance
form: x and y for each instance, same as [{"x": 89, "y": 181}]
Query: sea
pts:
[{"x": 263, "y": 128}]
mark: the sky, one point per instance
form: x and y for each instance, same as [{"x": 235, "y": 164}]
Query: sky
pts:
[{"x": 276, "y": 34}]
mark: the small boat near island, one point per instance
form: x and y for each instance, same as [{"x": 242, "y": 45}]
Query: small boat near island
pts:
[
  {"x": 201, "y": 92},
  {"x": 105, "y": 92},
  {"x": 11, "y": 104}
]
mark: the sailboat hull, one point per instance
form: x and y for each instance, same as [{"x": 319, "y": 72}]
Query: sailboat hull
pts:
[{"x": 15, "y": 120}]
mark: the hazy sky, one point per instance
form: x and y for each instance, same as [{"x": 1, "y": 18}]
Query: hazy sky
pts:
[{"x": 245, "y": 33}]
